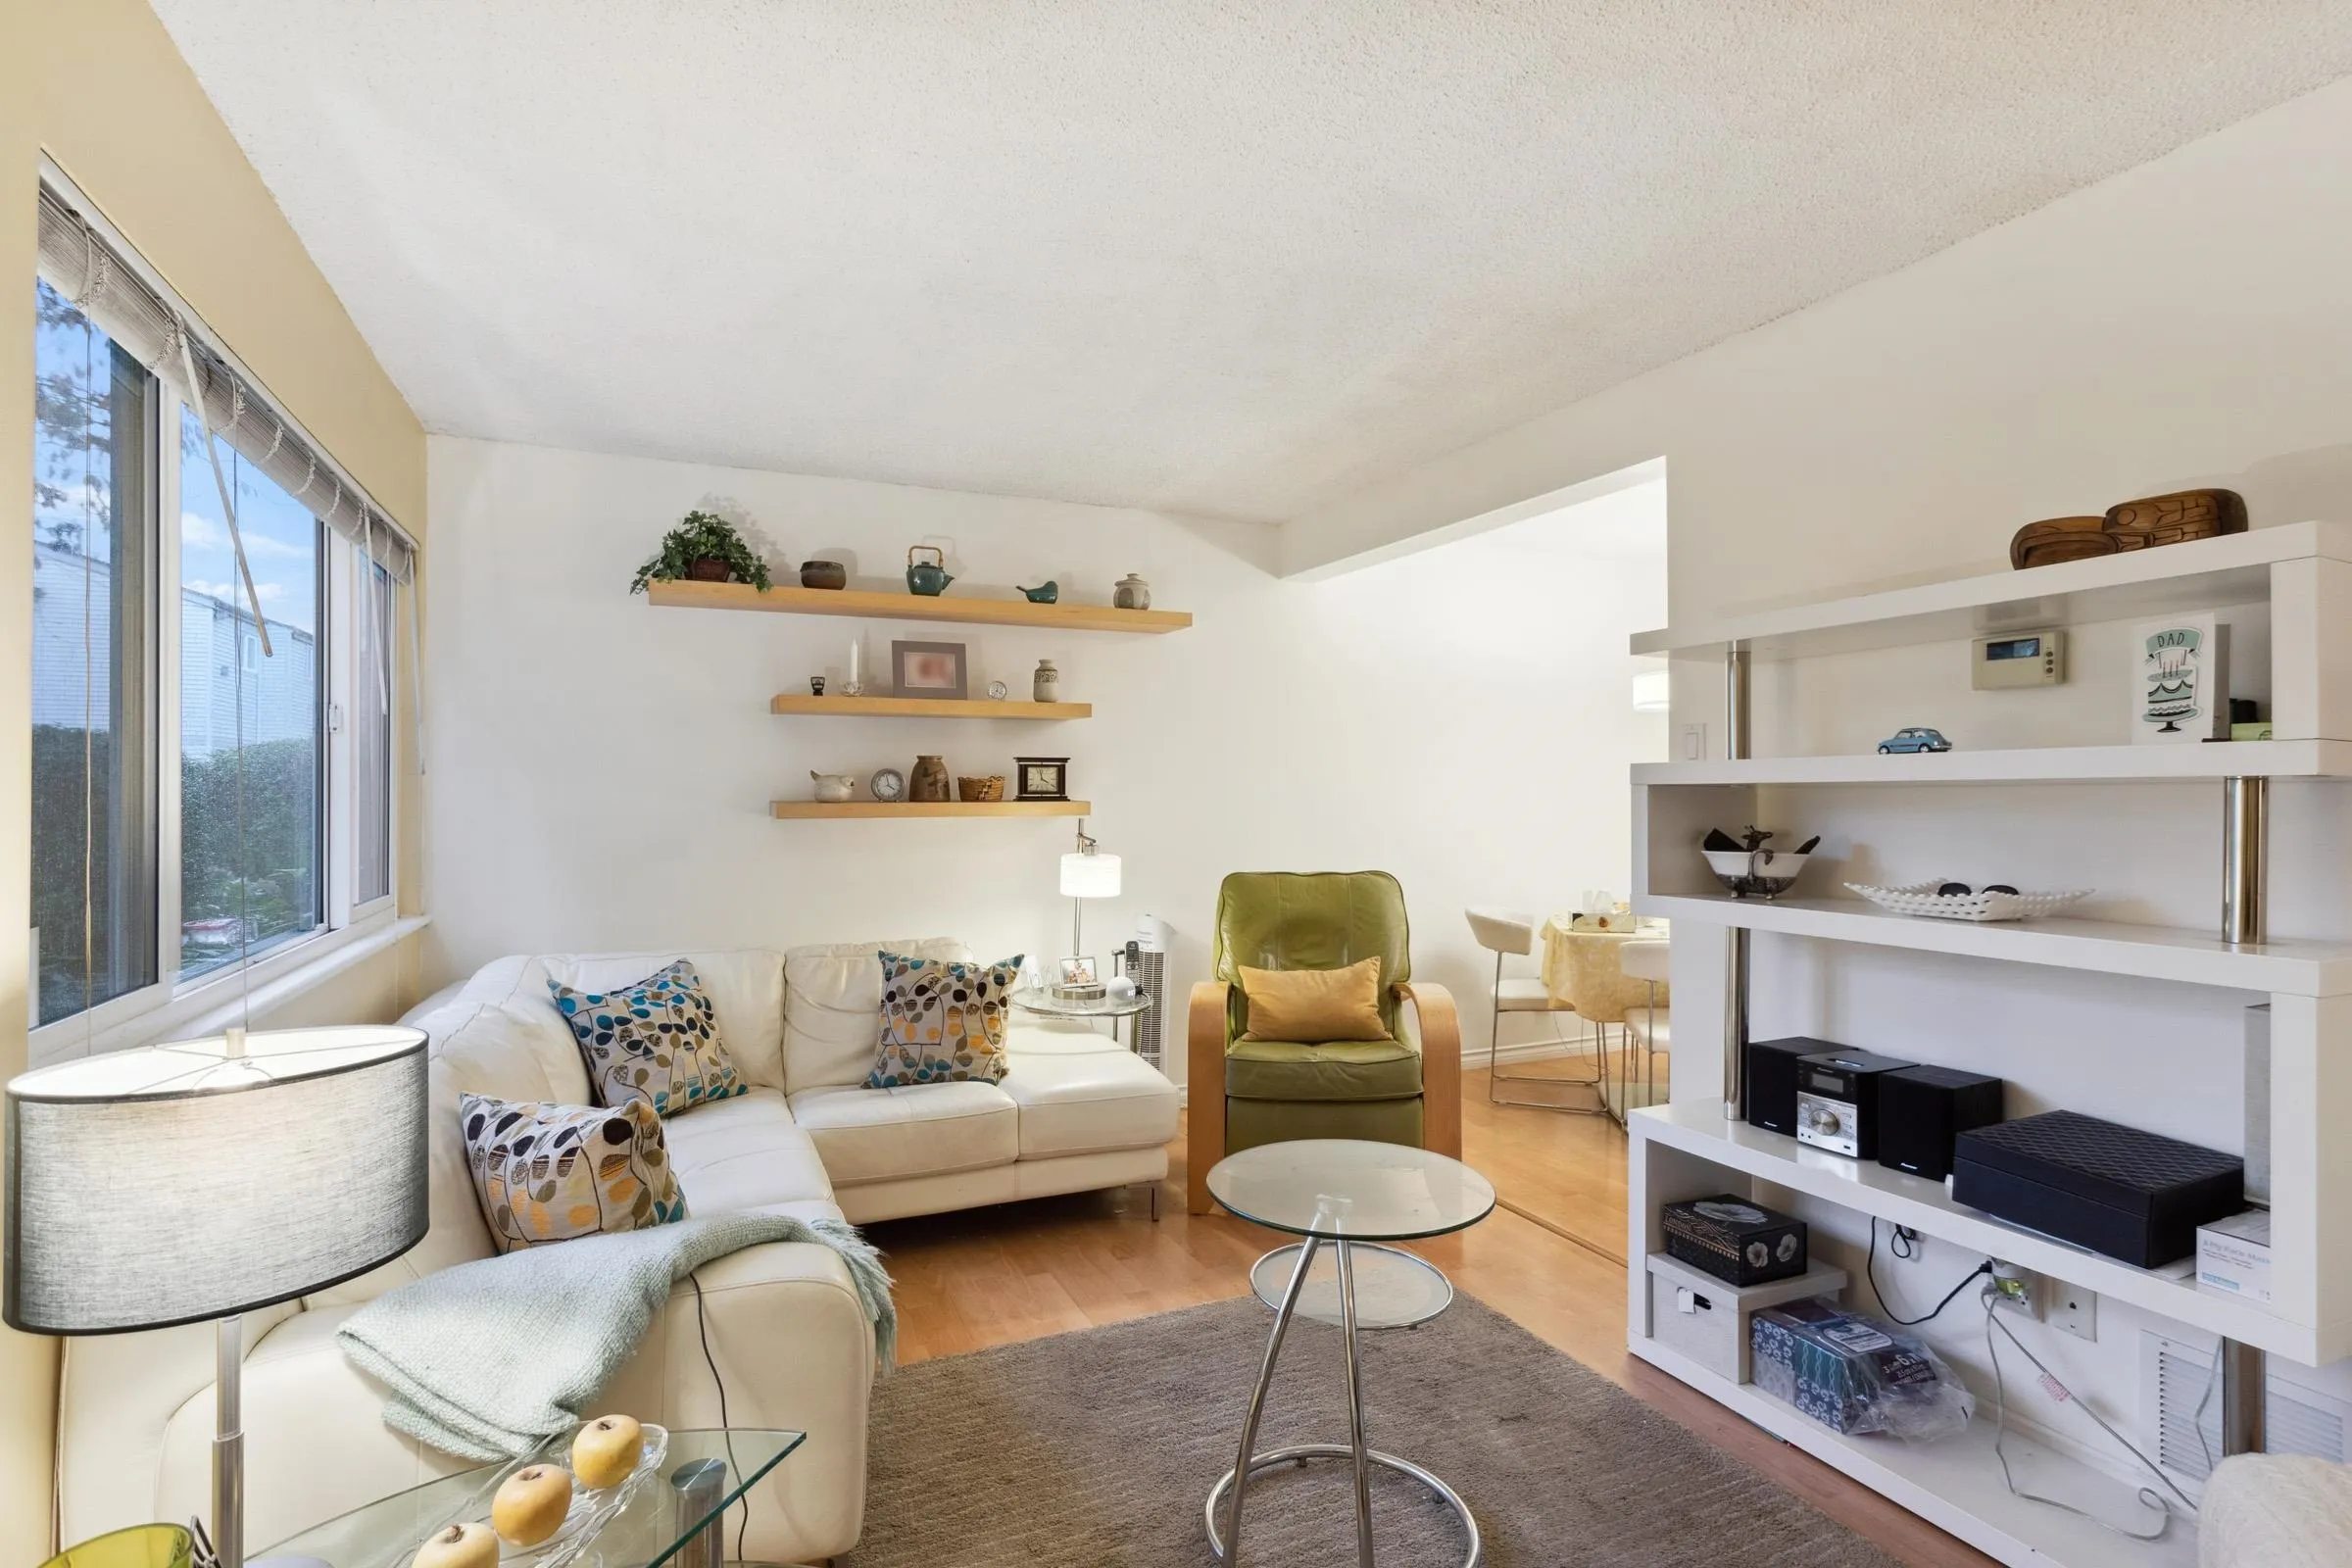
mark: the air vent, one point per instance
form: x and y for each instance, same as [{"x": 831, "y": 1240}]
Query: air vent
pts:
[{"x": 2297, "y": 1419}]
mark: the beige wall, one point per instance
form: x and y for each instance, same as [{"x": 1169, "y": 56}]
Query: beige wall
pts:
[{"x": 97, "y": 85}]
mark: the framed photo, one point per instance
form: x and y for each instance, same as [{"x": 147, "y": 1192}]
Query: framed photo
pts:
[
  {"x": 1042, "y": 779},
  {"x": 1075, "y": 971},
  {"x": 927, "y": 669}
]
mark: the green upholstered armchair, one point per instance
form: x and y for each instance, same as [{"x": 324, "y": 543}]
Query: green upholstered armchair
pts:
[{"x": 1407, "y": 1089}]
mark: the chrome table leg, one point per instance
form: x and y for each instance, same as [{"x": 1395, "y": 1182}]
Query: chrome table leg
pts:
[
  {"x": 1355, "y": 1407},
  {"x": 1232, "y": 1552}
]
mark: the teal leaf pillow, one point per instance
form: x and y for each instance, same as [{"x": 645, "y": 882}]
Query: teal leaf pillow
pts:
[
  {"x": 942, "y": 1022},
  {"x": 656, "y": 1041},
  {"x": 549, "y": 1173}
]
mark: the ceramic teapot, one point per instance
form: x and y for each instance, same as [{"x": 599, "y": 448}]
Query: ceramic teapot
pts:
[
  {"x": 834, "y": 785},
  {"x": 927, "y": 577}
]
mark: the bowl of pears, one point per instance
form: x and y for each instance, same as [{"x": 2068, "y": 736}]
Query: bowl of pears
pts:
[{"x": 548, "y": 1510}]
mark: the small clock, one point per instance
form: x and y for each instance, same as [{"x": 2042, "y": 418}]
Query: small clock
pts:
[
  {"x": 997, "y": 691},
  {"x": 1043, "y": 778},
  {"x": 889, "y": 784}
]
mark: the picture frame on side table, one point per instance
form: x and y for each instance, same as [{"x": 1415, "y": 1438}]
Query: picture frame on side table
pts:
[
  {"x": 2181, "y": 686},
  {"x": 1042, "y": 779},
  {"x": 928, "y": 669}
]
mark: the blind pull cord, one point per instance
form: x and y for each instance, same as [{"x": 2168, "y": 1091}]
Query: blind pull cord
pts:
[{"x": 236, "y": 540}]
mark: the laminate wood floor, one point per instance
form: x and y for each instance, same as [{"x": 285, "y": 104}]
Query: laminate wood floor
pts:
[{"x": 1553, "y": 1260}]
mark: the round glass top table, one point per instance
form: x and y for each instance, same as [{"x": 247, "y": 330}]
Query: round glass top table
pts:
[
  {"x": 1344, "y": 1196},
  {"x": 1044, "y": 1003}
]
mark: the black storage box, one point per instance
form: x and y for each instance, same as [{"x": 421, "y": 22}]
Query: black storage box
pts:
[
  {"x": 2133, "y": 1195},
  {"x": 1738, "y": 1242}
]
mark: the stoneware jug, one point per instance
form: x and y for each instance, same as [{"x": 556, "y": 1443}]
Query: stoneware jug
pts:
[
  {"x": 834, "y": 785},
  {"x": 928, "y": 781},
  {"x": 1046, "y": 685},
  {"x": 927, "y": 577}
]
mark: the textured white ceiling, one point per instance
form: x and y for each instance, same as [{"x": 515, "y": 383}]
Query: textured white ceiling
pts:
[{"x": 1225, "y": 257}]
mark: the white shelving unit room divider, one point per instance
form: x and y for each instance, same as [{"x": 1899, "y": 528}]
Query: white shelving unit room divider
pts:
[{"x": 1692, "y": 1147}]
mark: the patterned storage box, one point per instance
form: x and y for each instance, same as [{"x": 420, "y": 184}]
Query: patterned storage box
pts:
[{"x": 1734, "y": 1239}]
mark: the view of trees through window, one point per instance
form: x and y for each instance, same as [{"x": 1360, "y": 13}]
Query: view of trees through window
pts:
[{"x": 251, "y": 759}]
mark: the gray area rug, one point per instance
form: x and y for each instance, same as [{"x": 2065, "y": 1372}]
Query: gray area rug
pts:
[{"x": 1097, "y": 1449}]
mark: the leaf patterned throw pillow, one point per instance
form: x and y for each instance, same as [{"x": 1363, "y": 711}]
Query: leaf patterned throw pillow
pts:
[
  {"x": 942, "y": 1022},
  {"x": 550, "y": 1173},
  {"x": 656, "y": 1041}
]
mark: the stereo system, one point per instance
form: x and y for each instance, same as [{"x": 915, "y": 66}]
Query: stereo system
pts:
[{"x": 1865, "y": 1106}]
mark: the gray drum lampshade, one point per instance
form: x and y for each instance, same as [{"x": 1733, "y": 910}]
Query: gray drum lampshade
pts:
[{"x": 193, "y": 1180}]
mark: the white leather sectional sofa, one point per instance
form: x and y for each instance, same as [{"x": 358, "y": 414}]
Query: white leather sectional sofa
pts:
[{"x": 1076, "y": 1111}]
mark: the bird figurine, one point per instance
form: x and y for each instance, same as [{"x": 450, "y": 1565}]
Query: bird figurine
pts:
[{"x": 1045, "y": 593}]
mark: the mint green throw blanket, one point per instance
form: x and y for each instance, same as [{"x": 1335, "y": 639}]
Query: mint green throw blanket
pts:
[{"x": 488, "y": 1359}]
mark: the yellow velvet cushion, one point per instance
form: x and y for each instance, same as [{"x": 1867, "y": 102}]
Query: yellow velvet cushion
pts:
[{"x": 1314, "y": 1005}]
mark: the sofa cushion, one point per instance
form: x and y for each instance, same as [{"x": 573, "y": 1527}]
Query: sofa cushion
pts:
[
  {"x": 746, "y": 987},
  {"x": 1338, "y": 1069},
  {"x": 942, "y": 1021},
  {"x": 520, "y": 1051},
  {"x": 745, "y": 1154},
  {"x": 655, "y": 1038},
  {"x": 871, "y": 1135},
  {"x": 554, "y": 1173},
  {"x": 833, "y": 1008},
  {"x": 1078, "y": 1101}
]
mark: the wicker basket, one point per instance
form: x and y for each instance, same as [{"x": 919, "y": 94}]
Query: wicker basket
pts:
[{"x": 991, "y": 788}]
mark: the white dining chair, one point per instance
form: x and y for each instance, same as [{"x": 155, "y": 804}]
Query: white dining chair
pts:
[
  {"x": 1648, "y": 960},
  {"x": 1506, "y": 933}
]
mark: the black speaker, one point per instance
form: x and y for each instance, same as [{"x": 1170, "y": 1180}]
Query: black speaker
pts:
[
  {"x": 1772, "y": 1080},
  {"x": 1921, "y": 1110}
]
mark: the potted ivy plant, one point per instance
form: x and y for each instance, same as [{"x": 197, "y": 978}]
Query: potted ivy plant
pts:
[{"x": 704, "y": 548}]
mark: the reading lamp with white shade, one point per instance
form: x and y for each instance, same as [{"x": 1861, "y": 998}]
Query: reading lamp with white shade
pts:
[
  {"x": 1085, "y": 873},
  {"x": 206, "y": 1179}
]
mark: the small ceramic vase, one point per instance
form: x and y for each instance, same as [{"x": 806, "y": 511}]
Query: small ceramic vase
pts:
[
  {"x": 1046, "y": 685},
  {"x": 816, "y": 685},
  {"x": 929, "y": 781},
  {"x": 823, "y": 574},
  {"x": 834, "y": 785},
  {"x": 1131, "y": 591}
]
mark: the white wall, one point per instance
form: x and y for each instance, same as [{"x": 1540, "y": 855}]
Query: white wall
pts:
[
  {"x": 599, "y": 771},
  {"x": 2186, "y": 323}
]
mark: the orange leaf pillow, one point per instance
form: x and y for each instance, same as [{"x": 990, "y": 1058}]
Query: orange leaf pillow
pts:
[{"x": 1315, "y": 1006}]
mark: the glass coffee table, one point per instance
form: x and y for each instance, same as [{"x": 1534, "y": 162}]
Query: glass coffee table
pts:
[
  {"x": 1343, "y": 1196},
  {"x": 703, "y": 1474}
]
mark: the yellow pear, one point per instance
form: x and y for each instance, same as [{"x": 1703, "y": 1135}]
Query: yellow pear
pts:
[
  {"x": 461, "y": 1546},
  {"x": 530, "y": 1504},
  {"x": 607, "y": 1451}
]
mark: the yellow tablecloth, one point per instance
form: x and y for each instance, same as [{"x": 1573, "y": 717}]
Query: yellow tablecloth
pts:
[{"x": 1580, "y": 969}]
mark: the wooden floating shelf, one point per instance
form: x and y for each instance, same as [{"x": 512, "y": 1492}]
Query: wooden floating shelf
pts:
[
  {"x": 912, "y": 606},
  {"x": 924, "y": 708},
  {"x": 800, "y": 811}
]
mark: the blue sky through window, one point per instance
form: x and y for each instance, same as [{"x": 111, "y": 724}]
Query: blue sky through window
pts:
[{"x": 281, "y": 537}]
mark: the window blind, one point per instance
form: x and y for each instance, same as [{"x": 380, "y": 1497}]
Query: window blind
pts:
[{"x": 84, "y": 266}]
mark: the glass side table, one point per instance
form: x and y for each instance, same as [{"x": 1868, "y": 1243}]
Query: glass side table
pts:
[
  {"x": 1045, "y": 1004},
  {"x": 1343, "y": 1195},
  {"x": 705, "y": 1473}
]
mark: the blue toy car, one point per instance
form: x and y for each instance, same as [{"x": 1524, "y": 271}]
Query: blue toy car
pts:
[{"x": 1914, "y": 738}]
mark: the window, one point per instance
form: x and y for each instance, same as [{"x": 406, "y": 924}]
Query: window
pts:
[
  {"x": 93, "y": 665},
  {"x": 210, "y": 788},
  {"x": 253, "y": 746}
]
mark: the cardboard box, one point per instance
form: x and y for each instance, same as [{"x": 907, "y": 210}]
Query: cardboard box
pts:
[{"x": 2234, "y": 1255}]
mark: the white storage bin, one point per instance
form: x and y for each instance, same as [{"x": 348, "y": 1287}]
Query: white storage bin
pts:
[{"x": 1705, "y": 1318}]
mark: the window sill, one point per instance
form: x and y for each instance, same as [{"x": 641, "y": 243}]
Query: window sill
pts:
[{"x": 210, "y": 1007}]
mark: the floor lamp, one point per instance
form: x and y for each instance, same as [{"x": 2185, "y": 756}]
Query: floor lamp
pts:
[{"x": 202, "y": 1180}]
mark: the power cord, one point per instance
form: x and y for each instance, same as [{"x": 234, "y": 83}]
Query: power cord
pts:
[
  {"x": 1903, "y": 1247},
  {"x": 2149, "y": 1496},
  {"x": 702, "y": 1324}
]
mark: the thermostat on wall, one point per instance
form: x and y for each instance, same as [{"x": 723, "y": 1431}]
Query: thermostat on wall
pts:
[{"x": 2019, "y": 658}]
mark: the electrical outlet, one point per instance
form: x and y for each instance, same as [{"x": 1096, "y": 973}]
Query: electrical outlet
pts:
[
  {"x": 2074, "y": 1309},
  {"x": 1693, "y": 746},
  {"x": 2016, "y": 1290}
]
